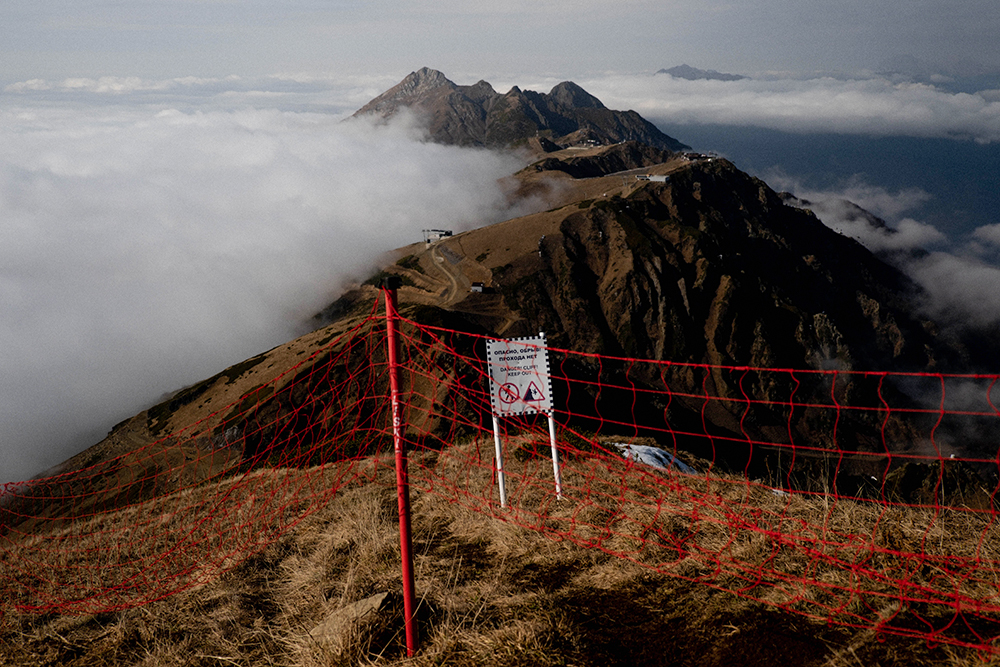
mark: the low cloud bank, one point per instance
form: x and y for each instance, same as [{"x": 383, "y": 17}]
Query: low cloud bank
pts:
[
  {"x": 867, "y": 104},
  {"x": 960, "y": 288},
  {"x": 845, "y": 211},
  {"x": 291, "y": 92},
  {"x": 142, "y": 250},
  {"x": 875, "y": 105}
]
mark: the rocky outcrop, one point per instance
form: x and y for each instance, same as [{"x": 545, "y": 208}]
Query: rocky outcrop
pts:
[{"x": 479, "y": 116}]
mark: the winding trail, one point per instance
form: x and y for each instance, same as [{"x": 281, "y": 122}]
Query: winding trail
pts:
[{"x": 443, "y": 260}]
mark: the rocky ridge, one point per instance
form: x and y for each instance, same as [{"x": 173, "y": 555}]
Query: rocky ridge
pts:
[{"x": 477, "y": 115}]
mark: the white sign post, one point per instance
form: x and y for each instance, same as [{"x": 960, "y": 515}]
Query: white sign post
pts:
[{"x": 520, "y": 384}]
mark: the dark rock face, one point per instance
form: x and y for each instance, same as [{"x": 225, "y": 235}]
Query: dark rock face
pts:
[
  {"x": 714, "y": 267},
  {"x": 479, "y": 116}
]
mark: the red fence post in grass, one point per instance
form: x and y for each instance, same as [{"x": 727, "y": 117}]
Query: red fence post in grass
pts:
[{"x": 391, "y": 284}]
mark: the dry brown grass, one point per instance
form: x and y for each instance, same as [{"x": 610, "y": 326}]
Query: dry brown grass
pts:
[{"x": 514, "y": 586}]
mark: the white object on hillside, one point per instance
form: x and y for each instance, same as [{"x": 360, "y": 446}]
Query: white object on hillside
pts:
[{"x": 653, "y": 456}]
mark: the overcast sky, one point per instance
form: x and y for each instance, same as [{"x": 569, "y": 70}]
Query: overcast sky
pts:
[
  {"x": 178, "y": 192},
  {"x": 564, "y": 38}
]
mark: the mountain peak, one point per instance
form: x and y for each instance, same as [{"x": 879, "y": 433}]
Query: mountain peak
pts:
[
  {"x": 568, "y": 94},
  {"x": 417, "y": 85},
  {"x": 425, "y": 79}
]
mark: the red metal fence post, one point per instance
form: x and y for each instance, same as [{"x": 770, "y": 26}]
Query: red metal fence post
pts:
[{"x": 391, "y": 284}]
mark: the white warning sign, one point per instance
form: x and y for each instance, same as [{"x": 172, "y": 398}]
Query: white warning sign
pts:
[{"x": 519, "y": 376}]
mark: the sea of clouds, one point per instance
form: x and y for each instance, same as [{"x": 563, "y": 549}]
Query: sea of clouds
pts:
[
  {"x": 144, "y": 248},
  {"x": 155, "y": 232},
  {"x": 872, "y": 105}
]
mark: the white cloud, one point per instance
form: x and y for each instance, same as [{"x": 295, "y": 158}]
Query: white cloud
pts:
[
  {"x": 142, "y": 250},
  {"x": 913, "y": 234},
  {"x": 290, "y": 91},
  {"x": 960, "y": 288},
  {"x": 841, "y": 210},
  {"x": 31, "y": 85},
  {"x": 875, "y": 106},
  {"x": 988, "y": 234},
  {"x": 112, "y": 84},
  {"x": 566, "y": 9},
  {"x": 906, "y": 234},
  {"x": 882, "y": 202}
]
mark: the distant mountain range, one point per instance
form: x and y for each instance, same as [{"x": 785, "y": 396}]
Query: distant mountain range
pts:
[
  {"x": 477, "y": 115},
  {"x": 694, "y": 74}
]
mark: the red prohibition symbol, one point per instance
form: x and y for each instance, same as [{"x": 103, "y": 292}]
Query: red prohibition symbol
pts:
[{"x": 509, "y": 393}]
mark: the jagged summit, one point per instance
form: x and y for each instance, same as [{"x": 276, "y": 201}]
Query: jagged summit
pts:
[
  {"x": 427, "y": 79},
  {"x": 478, "y": 115},
  {"x": 417, "y": 84}
]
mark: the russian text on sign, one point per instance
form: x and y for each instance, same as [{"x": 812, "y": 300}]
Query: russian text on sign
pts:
[{"x": 519, "y": 376}]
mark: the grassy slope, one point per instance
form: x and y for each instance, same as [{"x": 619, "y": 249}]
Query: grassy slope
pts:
[{"x": 491, "y": 592}]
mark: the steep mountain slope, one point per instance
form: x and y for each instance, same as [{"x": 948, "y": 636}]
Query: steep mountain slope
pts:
[
  {"x": 710, "y": 266},
  {"x": 479, "y": 116},
  {"x": 704, "y": 264}
]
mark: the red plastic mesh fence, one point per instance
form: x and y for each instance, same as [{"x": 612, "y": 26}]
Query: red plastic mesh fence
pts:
[{"x": 866, "y": 499}]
